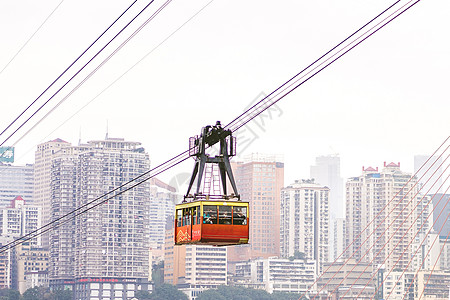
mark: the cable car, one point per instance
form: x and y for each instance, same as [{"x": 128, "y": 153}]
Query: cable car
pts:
[
  {"x": 219, "y": 223},
  {"x": 211, "y": 216}
]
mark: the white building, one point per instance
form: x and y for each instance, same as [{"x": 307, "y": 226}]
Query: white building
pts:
[
  {"x": 162, "y": 205},
  {"x": 104, "y": 251},
  {"x": 339, "y": 238},
  {"x": 20, "y": 219},
  {"x": 305, "y": 221},
  {"x": 43, "y": 157},
  {"x": 277, "y": 274},
  {"x": 388, "y": 197},
  {"x": 205, "y": 268},
  {"x": 16, "y": 180}
]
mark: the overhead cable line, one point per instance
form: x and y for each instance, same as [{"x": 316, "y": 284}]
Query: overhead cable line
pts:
[
  {"x": 418, "y": 230},
  {"x": 92, "y": 72},
  {"x": 64, "y": 72},
  {"x": 29, "y": 39},
  {"x": 391, "y": 237},
  {"x": 295, "y": 82},
  {"x": 379, "y": 224},
  {"x": 425, "y": 238},
  {"x": 242, "y": 123},
  {"x": 96, "y": 202},
  {"x": 437, "y": 259},
  {"x": 122, "y": 75}
]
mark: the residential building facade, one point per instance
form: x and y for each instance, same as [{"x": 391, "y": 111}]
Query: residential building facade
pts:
[
  {"x": 305, "y": 221},
  {"x": 105, "y": 250}
]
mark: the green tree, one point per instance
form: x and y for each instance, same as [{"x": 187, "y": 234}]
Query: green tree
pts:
[
  {"x": 32, "y": 294},
  {"x": 167, "y": 292},
  {"x": 9, "y": 294},
  {"x": 142, "y": 295},
  {"x": 63, "y": 295},
  {"x": 158, "y": 273}
]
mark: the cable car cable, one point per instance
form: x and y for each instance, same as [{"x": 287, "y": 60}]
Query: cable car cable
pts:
[
  {"x": 423, "y": 239},
  {"x": 295, "y": 85},
  {"x": 29, "y": 39},
  {"x": 316, "y": 72},
  {"x": 389, "y": 239},
  {"x": 318, "y": 59},
  {"x": 151, "y": 173},
  {"x": 95, "y": 70},
  {"x": 373, "y": 219},
  {"x": 60, "y": 75}
]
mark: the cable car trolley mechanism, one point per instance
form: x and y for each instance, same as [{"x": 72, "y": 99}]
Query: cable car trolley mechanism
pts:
[{"x": 210, "y": 216}]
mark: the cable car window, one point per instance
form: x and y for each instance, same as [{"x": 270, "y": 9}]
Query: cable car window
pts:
[
  {"x": 198, "y": 214},
  {"x": 225, "y": 215},
  {"x": 194, "y": 216},
  {"x": 209, "y": 214},
  {"x": 186, "y": 217},
  {"x": 239, "y": 215},
  {"x": 179, "y": 216}
]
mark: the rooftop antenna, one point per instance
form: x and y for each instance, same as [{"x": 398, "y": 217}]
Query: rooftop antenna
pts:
[
  {"x": 79, "y": 137},
  {"x": 107, "y": 130}
]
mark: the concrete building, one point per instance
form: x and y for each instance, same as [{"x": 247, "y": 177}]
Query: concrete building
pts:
[
  {"x": 204, "y": 267},
  {"x": 5, "y": 264},
  {"x": 174, "y": 258},
  {"x": 42, "y": 179},
  {"x": 305, "y": 221},
  {"x": 327, "y": 172},
  {"x": 20, "y": 219},
  {"x": 104, "y": 252},
  {"x": 16, "y": 180},
  {"x": 346, "y": 279},
  {"x": 162, "y": 205},
  {"x": 441, "y": 221},
  {"x": 424, "y": 171},
  {"x": 426, "y": 252},
  {"x": 30, "y": 267},
  {"x": 277, "y": 274},
  {"x": 445, "y": 255},
  {"x": 424, "y": 284},
  {"x": 260, "y": 179},
  {"x": 366, "y": 196},
  {"x": 339, "y": 238}
]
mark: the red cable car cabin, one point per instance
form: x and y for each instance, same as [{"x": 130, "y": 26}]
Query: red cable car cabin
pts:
[{"x": 219, "y": 223}]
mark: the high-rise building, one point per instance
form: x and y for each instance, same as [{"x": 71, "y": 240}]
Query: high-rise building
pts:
[
  {"x": 16, "y": 180},
  {"x": 259, "y": 180},
  {"x": 440, "y": 213},
  {"x": 305, "y": 221},
  {"x": 104, "y": 251},
  {"x": 428, "y": 169},
  {"x": 339, "y": 238},
  {"x": 42, "y": 179},
  {"x": 327, "y": 172},
  {"x": 162, "y": 205},
  {"x": 20, "y": 219},
  {"x": 380, "y": 216}
]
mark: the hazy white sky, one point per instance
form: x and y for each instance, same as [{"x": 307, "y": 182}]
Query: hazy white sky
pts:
[{"x": 387, "y": 100}]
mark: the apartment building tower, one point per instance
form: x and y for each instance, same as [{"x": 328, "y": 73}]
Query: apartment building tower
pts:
[
  {"x": 104, "y": 251},
  {"x": 305, "y": 221},
  {"x": 259, "y": 179},
  {"x": 20, "y": 219},
  {"x": 380, "y": 211},
  {"x": 43, "y": 157}
]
